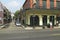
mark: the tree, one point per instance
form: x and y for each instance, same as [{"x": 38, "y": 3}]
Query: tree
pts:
[{"x": 16, "y": 14}]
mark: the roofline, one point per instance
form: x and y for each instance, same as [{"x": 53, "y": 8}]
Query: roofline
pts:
[{"x": 24, "y": 3}]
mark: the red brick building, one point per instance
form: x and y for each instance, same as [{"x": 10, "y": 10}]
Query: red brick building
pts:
[
  {"x": 42, "y": 12},
  {"x": 48, "y": 3}
]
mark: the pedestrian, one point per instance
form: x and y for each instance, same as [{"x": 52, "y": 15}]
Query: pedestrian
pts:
[
  {"x": 57, "y": 23},
  {"x": 51, "y": 25}
]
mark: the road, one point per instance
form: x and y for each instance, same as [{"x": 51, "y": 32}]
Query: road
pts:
[
  {"x": 14, "y": 33},
  {"x": 43, "y": 34}
]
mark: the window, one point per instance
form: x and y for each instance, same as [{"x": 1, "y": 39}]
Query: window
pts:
[
  {"x": 35, "y": 3},
  {"x": 44, "y": 4},
  {"x": 51, "y": 4},
  {"x": 58, "y": 19},
  {"x": 58, "y": 4}
]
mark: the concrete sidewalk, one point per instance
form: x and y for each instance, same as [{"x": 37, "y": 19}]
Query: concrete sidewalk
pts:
[
  {"x": 4, "y": 26},
  {"x": 28, "y": 28},
  {"x": 12, "y": 26}
]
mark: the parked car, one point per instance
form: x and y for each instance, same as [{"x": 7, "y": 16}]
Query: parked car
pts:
[{"x": 18, "y": 23}]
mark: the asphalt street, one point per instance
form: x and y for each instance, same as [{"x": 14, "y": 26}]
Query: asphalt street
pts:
[
  {"x": 14, "y": 33},
  {"x": 43, "y": 34}
]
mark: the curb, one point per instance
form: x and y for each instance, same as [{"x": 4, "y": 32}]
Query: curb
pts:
[
  {"x": 28, "y": 28},
  {"x": 38, "y": 28},
  {"x": 56, "y": 27},
  {"x": 31, "y": 28},
  {"x": 3, "y": 26}
]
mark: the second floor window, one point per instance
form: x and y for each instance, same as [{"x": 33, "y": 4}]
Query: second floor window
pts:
[
  {"x": 44, "y": 4},
  {"x": 35, "y": 3},
  {"x": 51, "y": 4},
  {"x": 58, "y": 4}
]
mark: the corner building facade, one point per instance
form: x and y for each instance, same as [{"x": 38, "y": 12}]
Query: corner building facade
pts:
[{"x": 42, "y": 12}]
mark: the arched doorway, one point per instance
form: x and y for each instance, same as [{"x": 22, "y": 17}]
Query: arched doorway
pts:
[
  {"x": 44, "y": 20},
  {"x": 34, "y": 20}
]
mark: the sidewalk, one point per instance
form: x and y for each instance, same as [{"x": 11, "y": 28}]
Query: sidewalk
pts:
[
  {"x": 12, "y": 26},
  {"x": 26, "y": 28},
  {"x": 4, "y": 26}
]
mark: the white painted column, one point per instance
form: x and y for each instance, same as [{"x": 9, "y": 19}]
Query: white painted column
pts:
[
  {"x": 55, "y": 19},
  {"x": 28, "y": 22},
  {"x": 40, "y": 20},
  {"x": 48, "y": 19}
]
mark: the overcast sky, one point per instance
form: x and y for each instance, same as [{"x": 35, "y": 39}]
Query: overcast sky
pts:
[{"x": 13, "y": 5}]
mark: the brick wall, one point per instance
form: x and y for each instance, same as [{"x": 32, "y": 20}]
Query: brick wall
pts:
[
  {"x": 29, "y": 4},
  {"x": 26, "y": 4}
]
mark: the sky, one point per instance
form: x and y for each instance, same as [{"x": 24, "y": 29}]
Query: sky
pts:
[{"x": 13, "y": 5}]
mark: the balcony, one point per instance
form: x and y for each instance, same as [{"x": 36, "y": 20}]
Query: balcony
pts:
[{"x": 44, "y": 11}]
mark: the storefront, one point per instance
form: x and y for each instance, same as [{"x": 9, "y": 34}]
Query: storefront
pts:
[{"x": 39, "y": 17}]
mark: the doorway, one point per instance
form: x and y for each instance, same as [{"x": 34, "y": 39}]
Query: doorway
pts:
[
  {"x": 52, "y": 20},
  {"x": 34, "y": 20},
  {"x": 44, "y": 20}
]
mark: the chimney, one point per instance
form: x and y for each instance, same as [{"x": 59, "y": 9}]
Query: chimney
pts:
[
  {"x": 48, "y": 4},
  {"x": 41, "y": 3},
  {"x": 54, "y": 4},
  {"x": 31, "y": 3}
]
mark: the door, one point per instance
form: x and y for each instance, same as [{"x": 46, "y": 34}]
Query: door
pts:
[
  {"x": 34, "y": 20},
  {"x": 52, "y": 20},
  {"x": 44, "y": 20}
]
